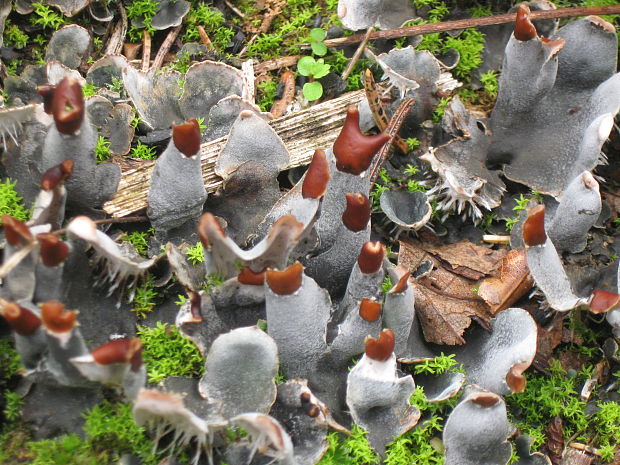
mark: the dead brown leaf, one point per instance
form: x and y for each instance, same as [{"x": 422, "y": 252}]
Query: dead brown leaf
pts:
[
  {"x": 445, "y": 303},
  {"x": 512, "y": 281},
  {"x": 467, "y": 259},
  {"x": 555, "y": 440}
]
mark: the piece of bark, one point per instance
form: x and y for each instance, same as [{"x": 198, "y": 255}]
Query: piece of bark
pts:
[
  {"x": 512, "y": 281},
  {"x": 555, "y": 440},
  {"x": 287, "y": 79},
  {"x": 303, "y": 132},
  {"x": 444, "y": 301},
  {"x": 276, "y": 63}
]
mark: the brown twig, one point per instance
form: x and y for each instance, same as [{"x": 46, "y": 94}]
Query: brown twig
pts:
[
  {"x": 357, "y": 54},
  {"x": 205, "y": 38},
  {"x": 146, "y": 51},
  {"x": 474, "y": 22},
  {"x": 165, "y": 47},
  {"x": 236, "y": 10},
  {"x": 392, "y": 130},
  {"x": 276, "y": 63},
  {"x": 116, "y": 38}
]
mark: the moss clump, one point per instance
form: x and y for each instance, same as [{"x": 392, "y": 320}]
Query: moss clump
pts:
[
  {"x": 110, "y": 426},
  {"x": 547, "y": 397},
  {"x": 11, "y": 203},
  {"x": 144, "y": 298},
  {"x": 349, "y": 450},
  {"x": 167, "y": 353}
]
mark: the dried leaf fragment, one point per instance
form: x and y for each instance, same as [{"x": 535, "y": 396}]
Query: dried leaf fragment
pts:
[
  {"x": 512, "y": 281},
  {"x": 444, "y": 301}
]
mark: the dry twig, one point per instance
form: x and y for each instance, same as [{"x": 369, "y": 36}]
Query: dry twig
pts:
[{"x": 474, "y": 22}]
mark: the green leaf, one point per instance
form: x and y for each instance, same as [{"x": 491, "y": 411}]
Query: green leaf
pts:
[
  {"x": 320, "y": 69},
  {"x": 317, "y": 34},
  {"x": 305, "y": 66},
  {"x": 318, "y": 48},
  {"x": 313, "y": 90}
]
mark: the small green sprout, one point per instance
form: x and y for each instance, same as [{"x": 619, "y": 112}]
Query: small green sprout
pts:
[
  {"x": 386, "y": 285},
  {"x": 415, "y": 186},
  {"x": 116, "y": 86},
  {"x": 412, "y": 143},
  {"x": 314, "y": 69},
  {"x": 316, "y": 38},
  {"x": 438, "y": 365},
  {"x": 102, "y": 150},
  {"x": 140, "y": 240},
  {"x": 88, "y": 90},
  {"x": 46, "y": 17},
  {"x": 201, "y": 125},
  {"x": 13, "y": 66},
  {"x": 168, "y": 353},
  {"x": 213, "y": 281},
  {"x": 440, "y": 109},
  {"x": 196, "y": 254},
  {"x": 143, "y": 152},
  {"x": 489, "y": 82}
]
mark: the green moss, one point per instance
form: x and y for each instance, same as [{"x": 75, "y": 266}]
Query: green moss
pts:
[
  {"x": 196, "y": 254},
  {"x": 143, "y": 152},
  {"x": 46, "y": 17},
  {"x": 267, "y": 93},
  {"x": 140, "y": 240},
  {"x": 143, "y": 11},
  {"x": 102, "y": 149},
  {"x": 9, "y": 360},
  {"x": 14, "y": 37},
  {"x": 68, "y": 449},
  {"x": 11, "y": 203},
  {"x": 438, "y": 365},
  {"x": 167, "y": 353},
  {"x": 212, "y": 20},
  {"x": 547, "y": 397},
  {"x": 13, "y": 406},
  {"x": 349, "y": 450},
  {"x": 440, "y": 109},
  {"x": 110, "y": 426},
  {"x": 144, "y": 299}
]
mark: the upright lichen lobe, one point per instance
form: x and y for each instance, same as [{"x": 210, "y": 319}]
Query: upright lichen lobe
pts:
[{"x": 353, "y": 150}]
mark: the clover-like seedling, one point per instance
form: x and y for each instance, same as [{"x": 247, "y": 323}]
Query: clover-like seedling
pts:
[
  {"x": 314, "y": 69},
  {"x": 316, "y": 38}
]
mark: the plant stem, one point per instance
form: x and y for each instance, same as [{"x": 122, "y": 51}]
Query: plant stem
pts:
[{"x": 475, "y": 22}]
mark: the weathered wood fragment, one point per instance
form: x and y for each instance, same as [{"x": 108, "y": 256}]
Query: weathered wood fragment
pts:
[{"x": 303, "y": 132}]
